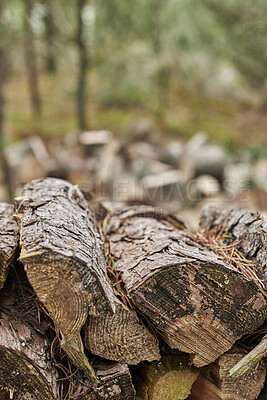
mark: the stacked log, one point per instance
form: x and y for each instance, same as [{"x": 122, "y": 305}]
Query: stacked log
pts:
[{"x": 138, "y": 307}]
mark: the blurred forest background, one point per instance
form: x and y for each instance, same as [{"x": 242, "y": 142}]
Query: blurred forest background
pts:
[{"x": 185, "y": 66}]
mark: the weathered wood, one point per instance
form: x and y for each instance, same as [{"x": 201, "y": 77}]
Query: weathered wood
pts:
[
  {"x": 170, "y": 379},
  {"x": 9, "y": 240},
  {"x": 200, "y": 303},
  {"x": 214, "y": 382},
  {"x": 64, "y": 259},
  {"x": 246, "y": 226},
  {"x": 115, "y": 382},
  {"x": 26, "y": 368},
  {"x": 250, "y": 359},
  {"x": 120, "y": 337}
]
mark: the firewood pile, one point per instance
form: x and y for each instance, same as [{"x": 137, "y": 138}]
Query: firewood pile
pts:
[{"x": 129, "y": 305}]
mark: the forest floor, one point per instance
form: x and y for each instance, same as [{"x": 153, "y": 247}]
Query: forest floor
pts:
[{"x": 186, "y": 111}]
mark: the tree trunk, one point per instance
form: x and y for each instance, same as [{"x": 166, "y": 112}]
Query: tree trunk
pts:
[
  {"x": 248, "y": 227},
  {"x": 215, "y": 384},
  {"x": 64, "y": 260},
  {"x": 9, "y": 240},
  {"x": 121, "y": 337},
  {"x": 200, "y": 302},
  {"x": 169, "y": 379},
  {"x": 50, "y": 29},
  {"x": 4, "y": 166},
  {"x": 83, "y": 56},
  {"x": 31, "y": 61}
]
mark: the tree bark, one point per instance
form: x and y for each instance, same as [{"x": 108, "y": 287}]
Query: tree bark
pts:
[
  {"x": 81, "y": 92},
  {"x": 199, "y": 302},
  {"x": 9, "y": 240},
  {"x": 26, "y": 367},
  {"x": 121, "y": 337},
  {"x": 31, "y": 61},
  {"x": 248, "y": 227},
  {"x": 64, "y": 260},
  {"x": 115, "y": 382},
  {"x": 171, "y": 378},
  {"x": 215, "y": 384}
]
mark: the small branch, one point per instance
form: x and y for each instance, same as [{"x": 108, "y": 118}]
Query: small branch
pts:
[{"x": 250, "y": 359}]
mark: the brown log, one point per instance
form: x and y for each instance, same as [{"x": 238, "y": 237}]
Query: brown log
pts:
[
  {"x": 170, "y": 379},
  {"x": 26, "y": 367},
  {"x": 120, "y": 337},
  {"x": 64, "y": 259},
  {"x": 115, "y": 382},
  {"x": 199, "y": 302},
  {"x": 246, "y": 226},
  {"x": 9, "y": 240},
  {"x": 214, "y": 382}
]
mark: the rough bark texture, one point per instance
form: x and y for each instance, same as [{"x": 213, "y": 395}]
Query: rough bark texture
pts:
[
  {"x": 115, "y": 383},
  {"x": 64, "y": 259},
  {"x": 247, "y": 226},
  {"x": 199, "y": 302},
  {"x": 26, "y": 370},
  {"x": 215, "y": 384},
  {"x": 121, "y": 337},
  {"x": 170, "y": 379},
  {"x": 9, "y": 240}
]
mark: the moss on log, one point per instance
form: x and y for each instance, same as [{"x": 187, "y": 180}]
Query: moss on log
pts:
[
  {"x": 120, "y": 337},
  {"x": 9, "y": 240},
  {"x": 64, "y": 260},
  {"x": 199, "y": 302},
  {"x": 171, "y": 378}
]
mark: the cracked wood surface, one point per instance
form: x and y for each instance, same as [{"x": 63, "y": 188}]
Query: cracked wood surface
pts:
[
  {"x": 214, "y": 383},
  {"x": 115, "y": 382},
  {"x": 199, "y": 302},
  {"x": 9, "y": 239},
  {"x": 26, "y": 370},
  {"x": 64, "y": 259},
  {"x": 247, "y": 226},
  {"x": 121, "y": 337}
]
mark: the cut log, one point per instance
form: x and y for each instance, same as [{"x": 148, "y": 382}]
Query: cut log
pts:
[
  {"x": 9, "y": 240},
  {"x": 199, "y": 302},
  {"x": 120, "y": 337},
  {"x": 26, "y": 368},
  {"x": 214, "y": 382},
  {"x": 115, "y": 382},
  {"x": 170, "y": 379},
  {"x": 248, "y": 227},
  {"x": 64, "y": 259}
]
